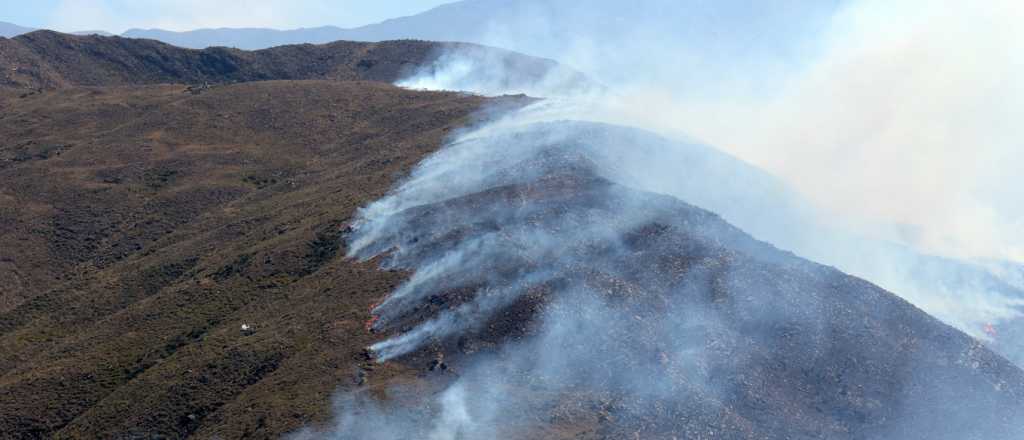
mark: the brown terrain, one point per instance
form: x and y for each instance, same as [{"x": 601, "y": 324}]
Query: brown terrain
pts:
[
  {"x": 48, "y": 60},
  {"x": 172, "y": 266},
  {"x": 141, "y": 226}
]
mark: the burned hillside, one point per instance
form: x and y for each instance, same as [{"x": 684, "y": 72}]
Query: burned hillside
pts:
[
  {"x": 228, "y": 244},
  {"x": 564, "y": 305}
]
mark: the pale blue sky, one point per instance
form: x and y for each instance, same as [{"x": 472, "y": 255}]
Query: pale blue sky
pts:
[{"x": 119, "y": 15}]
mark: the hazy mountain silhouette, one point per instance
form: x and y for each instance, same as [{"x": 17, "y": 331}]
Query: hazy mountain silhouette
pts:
[
  {"x": 11, "y": 30},
  {"x": 8, "y": 30},
  {"x": 460, "y": 21},
  {"x": 512, "y": 24}
]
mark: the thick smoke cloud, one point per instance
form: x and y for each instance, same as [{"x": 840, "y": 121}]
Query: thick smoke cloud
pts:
[
  {"x": 492, "y": 71},
  {"x": 886, "y": 113},
  {"x": 561, "y": 294},
  {"x": 888, "y": 126},
  {"x": 541, "y": 238},
  {"x": 905, "y": 118}
]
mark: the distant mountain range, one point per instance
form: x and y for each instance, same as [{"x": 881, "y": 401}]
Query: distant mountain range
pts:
[
  {"x": 8, "y": 30},
  {"x": 514, "y": 24},
  {"x": 449, "y": 22},
  {"x": 460, "y": 21}
]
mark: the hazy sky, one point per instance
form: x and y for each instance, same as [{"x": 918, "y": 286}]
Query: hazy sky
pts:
[{"x": 120, "y": 15}]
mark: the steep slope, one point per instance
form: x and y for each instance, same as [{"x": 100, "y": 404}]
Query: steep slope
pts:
[
  {"x": 166, "y": 221},
  {"x": 171, "y": 266},
  {"x": 569, "y": 306},
  {"x": 46, "y": 59},
  {"x": 141, "y": 227},
  {"x": 966, "y": 294}
]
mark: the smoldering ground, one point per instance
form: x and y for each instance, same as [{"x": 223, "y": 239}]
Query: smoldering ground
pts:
[
  {"x": 960, "y": 293},
  {"x": 568, "y": 289},
  {"x": 864, "y": 183},
  {"x": 562, "y": 300}
]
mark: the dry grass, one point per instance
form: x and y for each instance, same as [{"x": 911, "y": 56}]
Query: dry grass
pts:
[{"x": 141, "y": 226}]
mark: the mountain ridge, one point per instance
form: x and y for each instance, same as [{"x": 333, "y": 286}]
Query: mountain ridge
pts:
[
  {"x": 47, "y": 60},
  {"x": 8, "y": 30},
  {"x": 417, "y": 26},
  {"x": 543, "y": 279},
  {"x": 255, "y": 38},
  {"x": 298, "y": 231}
]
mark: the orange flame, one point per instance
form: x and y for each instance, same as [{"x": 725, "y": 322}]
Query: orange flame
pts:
[{"x": 373, "y": 318}]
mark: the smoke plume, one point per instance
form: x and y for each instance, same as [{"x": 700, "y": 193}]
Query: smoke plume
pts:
[
  {"x": 886, "y": 124},
  {"x": 546, "y": 291},
  {"x": 566, "y": 266}
]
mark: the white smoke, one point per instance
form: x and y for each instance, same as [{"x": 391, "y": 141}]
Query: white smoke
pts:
[
  {"x": 889, "y": 112},
  {"x": 857, "y": 117},
  {"x": 908, "y": 117},
  {"x": 891, "y": 122},
  {"x": 492, "y": 71}
]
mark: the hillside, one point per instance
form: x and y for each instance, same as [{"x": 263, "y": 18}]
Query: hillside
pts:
[
  {"x": 983, "y": 300},
  {"x": 46, "y": 59},
  {"x": 616, "y": 313},
  {"x": 141, "y": 227},
  {"x": 303, "y": 249}
]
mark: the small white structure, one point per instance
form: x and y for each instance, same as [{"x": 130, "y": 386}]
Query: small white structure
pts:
[{"x": 248, "y": 329}]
